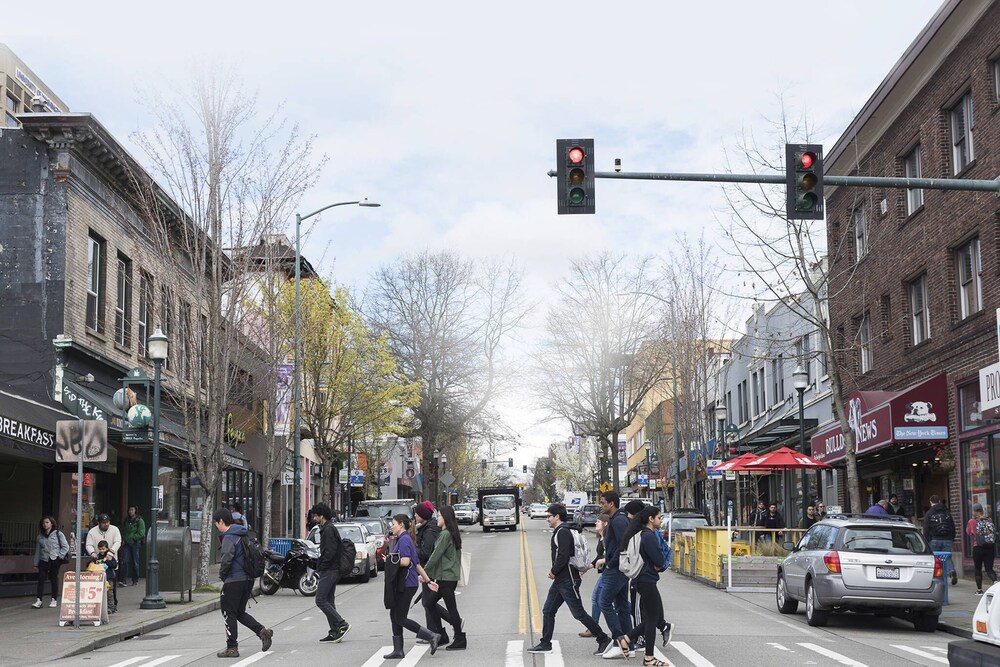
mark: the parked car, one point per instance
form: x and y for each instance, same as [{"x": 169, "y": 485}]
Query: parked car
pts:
[
  {"x": 862, "y": 563},
  {"x": 587, "y": 516},
  {"x": 538, "y": 511},
  {"x": 682, "y": 519},
  {"x": 466, "y": 513},
  {"x": 365, "y": 564},
  {"x": 378, "y": 530},
  {"x": 385, "y": 509}
]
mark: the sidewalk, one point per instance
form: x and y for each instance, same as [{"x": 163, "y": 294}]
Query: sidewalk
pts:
[
  {"x": 33, "y": 636},
  {"x": 956, "y": 617}
]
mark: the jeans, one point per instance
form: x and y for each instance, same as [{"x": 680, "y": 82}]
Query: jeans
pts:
[
  {"x": 614, "y": 602},
  {"x": 943, "y": 545},
  {"x": 130, "y": 562},
  {"x": 326, "y": 591},
  {"x": 235, "y": 595},
  {"x": 595, "y": 599},
  {"x": 568, "y": 591}
]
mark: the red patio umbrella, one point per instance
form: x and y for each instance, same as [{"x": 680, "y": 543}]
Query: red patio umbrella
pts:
[
  {"x": 735, "y": 463},
  {"x": 784, "y": 459}
]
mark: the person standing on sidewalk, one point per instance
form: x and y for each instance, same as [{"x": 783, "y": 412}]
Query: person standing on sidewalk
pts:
[
  {"x": 442, "y": 571},
  {"x": 328, "y": 569},
  {"x": 939, "y": 531},
  {"x": 135, "y": 534},
  {"x": 236, "y": 585},
  {"x": 614, "y": 597},
  {"x": 104, "y": 531},
  {"x": 50, "y": 549},
  {"x": 984, "y": 541},
  {"x": 565, "y": 585}
]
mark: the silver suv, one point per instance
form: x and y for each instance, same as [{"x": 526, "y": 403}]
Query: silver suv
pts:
[{"x": 865, "y": 564}]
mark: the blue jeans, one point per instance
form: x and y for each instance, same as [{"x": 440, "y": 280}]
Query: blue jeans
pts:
[
  {"x": 943, "y": 545},
  {"x": 614, "y": 602},
  {"x": 595, "y": 599},
  {"x": 568, "y": 591},
  {"x": 130, "y": 562}
]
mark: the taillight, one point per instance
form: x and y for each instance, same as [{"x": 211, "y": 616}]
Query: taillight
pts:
[
  {"x": 832, "y": 561},
  {"x": 938, "y": 569}
]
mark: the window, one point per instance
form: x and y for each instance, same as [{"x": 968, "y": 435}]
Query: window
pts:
[
  {"x": 756, "y": 392},
  {"x": 145, "y": 312},
  {"x": 95, "y": 283},
  {"x": 996, "y": 79},
  {"x": 970, "y": 268},
  {"x": 920, "y": 316},
  {"x": 864, "y": 344},
  {"x": 860, "y": 234},
  {"x": 123, "y": 305},
  {"x": 166, "y": 318},
  {"x": 806, "y": 359},
  {"x": 775, "y": 372},
  {"x": 184, "y": 339},
  {"x": 962, "y": 126},
  {"x": 911, "y": 169},
  {"x": 744, "y": 400}
]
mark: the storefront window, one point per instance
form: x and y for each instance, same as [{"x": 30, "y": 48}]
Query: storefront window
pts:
[
  {"x": 976, "y": 460},
  {"x": 968, "y": 407}
]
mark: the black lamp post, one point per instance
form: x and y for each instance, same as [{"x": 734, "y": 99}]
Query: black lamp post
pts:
[
  {"x": 720, "y": 416},
  {"x": 437, "y": 477},
  {"x": 157, "y": 346},
  {"x": 444, "y": 469},
  {"x": 800, "y": 380}
]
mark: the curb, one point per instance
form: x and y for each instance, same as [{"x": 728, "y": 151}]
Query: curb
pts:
[{"x": 955, "y": 630}]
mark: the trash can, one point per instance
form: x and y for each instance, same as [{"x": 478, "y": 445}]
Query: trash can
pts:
[
  {"x": 945, "y": 558},
  {"x": 173, "y": 551}
]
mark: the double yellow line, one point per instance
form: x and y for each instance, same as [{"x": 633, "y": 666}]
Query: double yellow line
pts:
[{"x": 528, "y": 587}]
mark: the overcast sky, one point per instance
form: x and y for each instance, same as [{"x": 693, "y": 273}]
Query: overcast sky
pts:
[{"x": 447, "y": 113}]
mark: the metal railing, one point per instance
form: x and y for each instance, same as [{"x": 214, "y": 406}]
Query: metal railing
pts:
[{"x": 17, "y": 538}]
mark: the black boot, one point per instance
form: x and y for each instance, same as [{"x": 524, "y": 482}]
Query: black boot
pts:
[
  {"x": 433, "y": 638},
  {"x": 397, "y": 649},
  {"x": 458, "y": 644}
]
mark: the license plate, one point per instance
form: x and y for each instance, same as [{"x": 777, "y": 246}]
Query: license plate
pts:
[{"x": 887, "y": 573}]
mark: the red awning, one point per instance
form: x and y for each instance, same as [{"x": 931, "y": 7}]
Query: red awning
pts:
[{"x": 785, "y": 459}]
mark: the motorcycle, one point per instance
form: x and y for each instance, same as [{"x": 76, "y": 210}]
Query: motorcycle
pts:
[{"x": 297, "y": 570}]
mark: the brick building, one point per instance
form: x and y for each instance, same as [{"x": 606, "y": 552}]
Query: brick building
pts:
[{"x": 915, "y": 274}]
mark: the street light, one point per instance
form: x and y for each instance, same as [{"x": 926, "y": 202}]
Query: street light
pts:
[
  {"x": 800, "y": 380},
  {"x": 158, "y": 346},
  {"x": 437, "y": 476},
  {"x": 720, "y": 416},
  {"x": 444, "y": 466},
  {"x": 297, "y": 409},
  {"x": 649, "y": 471}
]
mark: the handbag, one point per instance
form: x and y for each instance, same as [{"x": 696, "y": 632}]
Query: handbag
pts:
[{"x": 63, "y": 560}]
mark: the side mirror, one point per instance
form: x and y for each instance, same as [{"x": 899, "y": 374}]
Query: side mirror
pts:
[{"x": 789, "y": 546}]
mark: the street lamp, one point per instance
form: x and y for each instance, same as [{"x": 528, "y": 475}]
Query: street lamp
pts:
[
  {"x": 720, "y": 416},
  {"x": 437, "y": 476},
  {"x": 648, "y": 445},
  {"x": 158, "y": 346},
  {"x": 297, "y": 451},
  {"x": 800, "y": 380},
  {"x": 444, "y": 466}
]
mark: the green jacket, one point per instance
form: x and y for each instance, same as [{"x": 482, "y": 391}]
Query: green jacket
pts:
[
  {"x": 445, "y": 561},
  {"x": 135, "y": 531}
]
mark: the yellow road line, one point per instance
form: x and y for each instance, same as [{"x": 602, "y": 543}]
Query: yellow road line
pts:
[
  {"x": 536, "y": 609},
  {"x": 522, "y": 622}
]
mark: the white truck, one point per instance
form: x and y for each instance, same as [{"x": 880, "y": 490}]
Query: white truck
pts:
[
  {"x": 499, "y": 508},
  {"x": 574, "y": 500}
]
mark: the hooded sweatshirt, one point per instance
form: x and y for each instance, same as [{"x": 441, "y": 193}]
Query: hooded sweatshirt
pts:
[{"x": 231, "y": 556}]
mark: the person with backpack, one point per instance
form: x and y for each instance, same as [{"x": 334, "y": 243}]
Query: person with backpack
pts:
[
  {"x": 614, "y": 594},
  {"x": 939, "y": 531},
  {"x": 984, "y": 538},
  {"x": 442, "y": 571},
  {"x": 237, "y": 584},
  {"x": 328, "y": 570},
  {"x": 597, "y": 564},
  {"x": 565, "y": 586},
  {"x": 642, "y": 559},
  {"x": 51, "y": 548}
]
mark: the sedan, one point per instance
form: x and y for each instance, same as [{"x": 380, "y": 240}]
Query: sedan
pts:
[
  {"x": 538, "y": 511},
  {"x": 378, "y": 531},
  {"x": 365, "y": 564}
]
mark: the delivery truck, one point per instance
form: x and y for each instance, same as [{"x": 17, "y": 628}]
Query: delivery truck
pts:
[{"x": 498, "y": 508}]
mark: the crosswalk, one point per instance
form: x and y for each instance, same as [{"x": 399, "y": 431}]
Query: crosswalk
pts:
[{"x": 679, "y": 654}]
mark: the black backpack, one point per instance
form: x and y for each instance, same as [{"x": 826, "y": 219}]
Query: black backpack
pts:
[
  {"x": 940, "y": 524},
  {"x": 253, "y": 556},
  {"x": 347, "y": 555}
]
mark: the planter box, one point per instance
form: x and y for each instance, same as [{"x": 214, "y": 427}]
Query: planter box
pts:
[{"x": 751, "y": 571}]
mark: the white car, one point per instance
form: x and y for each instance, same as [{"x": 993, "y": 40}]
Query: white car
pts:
[
  {"x": 365, "y": 564},
  {"x": 466, "y": 513},
  {"x": 538, "y": 511}
]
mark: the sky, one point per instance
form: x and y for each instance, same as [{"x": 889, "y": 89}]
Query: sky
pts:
[{"x": 446, "y": 113}]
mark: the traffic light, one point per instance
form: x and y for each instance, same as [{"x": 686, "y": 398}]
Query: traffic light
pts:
[
  {"x": 575, "y": 176},
  {"x": 524, "y": 468},
  {"x": 510, "y": 463},
  {"x": 484, "y": 464},
  {"x": 804, "y": 181}
]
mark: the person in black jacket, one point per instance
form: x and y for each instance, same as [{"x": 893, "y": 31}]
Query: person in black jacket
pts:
[
  {"x": 939, "y": 531},
  {"x": 427, "y": 534},
  {"x": 328, "y": 569},
  {"x": 236, "y": 585},
  {"x": 646, "y": 524},
  {"x": 565, "y": 585}
]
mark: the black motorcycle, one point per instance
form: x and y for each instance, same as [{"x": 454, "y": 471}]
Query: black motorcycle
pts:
[{"x": 297, "y": 570}]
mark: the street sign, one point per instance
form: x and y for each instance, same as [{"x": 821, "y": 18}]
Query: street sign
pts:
[
  {"x": 606, "y": 487},
  {"x": 287, "y": 478},
  {"x": 447, "y": 479},
  {"x": 357, "y": 478},
  {"x": 711, "y": 463},
  {"x": 86, "y": 436}
]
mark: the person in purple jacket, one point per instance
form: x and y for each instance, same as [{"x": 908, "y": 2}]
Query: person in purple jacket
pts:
[
  {"x": 879, "y": 509},
  {"x": 409, "y": 563}
]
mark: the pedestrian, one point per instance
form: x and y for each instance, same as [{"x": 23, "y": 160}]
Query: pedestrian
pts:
[
  {"x": 984, "y": 537},
  {"x": 894, "y": 507},
  {"x": 598, "y": 564},
  {"x": 881, "y": 508},
  {"x": 810, "y": 518},
  {"x": 646, "y": 524},
  {"x": 236, "y": 585},
  {"x": 443, "y": 569},
  {"x": 407, "y": 573},
  {"x": 51, "y": 548},
  {"x": 772, "y": 521},
  {"x": 238, "y": 517},
  {"x": 104, "y": 531},
  {"x": 328, "y": 570},
  {"x": 821, "y": 510},
  {"x": 565, "y": 585},
  {"x": 757, "y": 515},
  {"x": 427, "y": 532},
  {"x": 109, "y": 564},
  {"x": 939, "y": 531},
  {"x": 632, "y": 509},
  {"x": 614, "y": 595},
  {"x": 135, "y": 534}
]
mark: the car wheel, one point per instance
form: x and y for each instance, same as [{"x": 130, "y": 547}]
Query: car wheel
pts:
[
  {"x": 814, "y": 617},
  {"x": 786, "y": 604},
  {"x": 924, "y": 622},
  {"x": 366, "y": 575},
  {"x": 308, "y": 584},
  {"x": 373, "y": 571}
]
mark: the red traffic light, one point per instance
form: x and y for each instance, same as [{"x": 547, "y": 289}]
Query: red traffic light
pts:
[
  {"x": 807, "y": 160},
  {"x": 575, "y": 155}
]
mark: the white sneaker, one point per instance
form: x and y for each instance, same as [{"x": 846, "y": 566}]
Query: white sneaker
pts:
[
  {"x": 53, "y": 604},
  {"x": 37, "y": 604}
]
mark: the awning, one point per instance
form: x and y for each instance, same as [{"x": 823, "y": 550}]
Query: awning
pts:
[
  {"x": 773, "y": 432},
  {"x": 879, "y": 418},
  {"x": 86, "y": 403}
]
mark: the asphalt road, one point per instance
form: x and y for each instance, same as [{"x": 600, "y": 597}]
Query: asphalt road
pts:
[{"x": 503, "y": 618}]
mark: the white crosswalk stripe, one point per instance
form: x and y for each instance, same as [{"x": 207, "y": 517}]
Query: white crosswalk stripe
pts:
[
  {"x": 555, "y": 658},
  {"x": 697, "y": 659},
  {"x": 922, "y": 654},
  {"x": 131, "y": 661},
  {"x": 514, "y": 650},
  {"x": 841, "y": 659},
  {"x": 415, "y": 654},
  {"x": 260, "y": 655},
  {"x": 377, "y": 659}
]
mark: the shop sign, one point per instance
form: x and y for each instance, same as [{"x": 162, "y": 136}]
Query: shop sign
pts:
[
  {"x": 233, "y": 434},
  {"x": 93, "y": 598},
  {"x": 14, "y": 428},
  {"x": 989, "y": 390}
]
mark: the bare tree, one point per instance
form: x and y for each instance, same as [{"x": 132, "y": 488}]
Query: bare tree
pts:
[{"x": 602, "y": 350}]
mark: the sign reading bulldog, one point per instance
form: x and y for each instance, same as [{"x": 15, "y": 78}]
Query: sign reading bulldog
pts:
[{"x": 879, "y": 418}]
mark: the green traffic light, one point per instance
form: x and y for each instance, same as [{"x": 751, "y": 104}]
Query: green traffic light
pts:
[
  {"x": 807, "y": 202},
  {"x": 576, "y": 196}
]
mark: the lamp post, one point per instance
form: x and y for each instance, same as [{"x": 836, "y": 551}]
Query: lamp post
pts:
[
  {"x": 720, "y": 416},
  {"x": 158, "y": 346},
  {"x": 437, "y": 476},
  {"x": 800, "y": 380},
  {"x": 297, "y": 409},
  {"x": 648, "y": 446},
  {"x": 444, "y": 467}
]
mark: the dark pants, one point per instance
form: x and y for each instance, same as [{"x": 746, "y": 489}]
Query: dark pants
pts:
[
  {"x": 614, "y": 602},
  {"x": 983, "y": 556},
  {"x": 326, "y": 590},
  {"x": 48, "y": 570},
  {"x": 235, "y": 595},
  {"x": 568, "y": 591},
  {"x": 397, "y": 615},
  {"x": 130, "y": 562},
  {"x": 651, "y": 620},
  {"x": 437, "y": 613}
]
